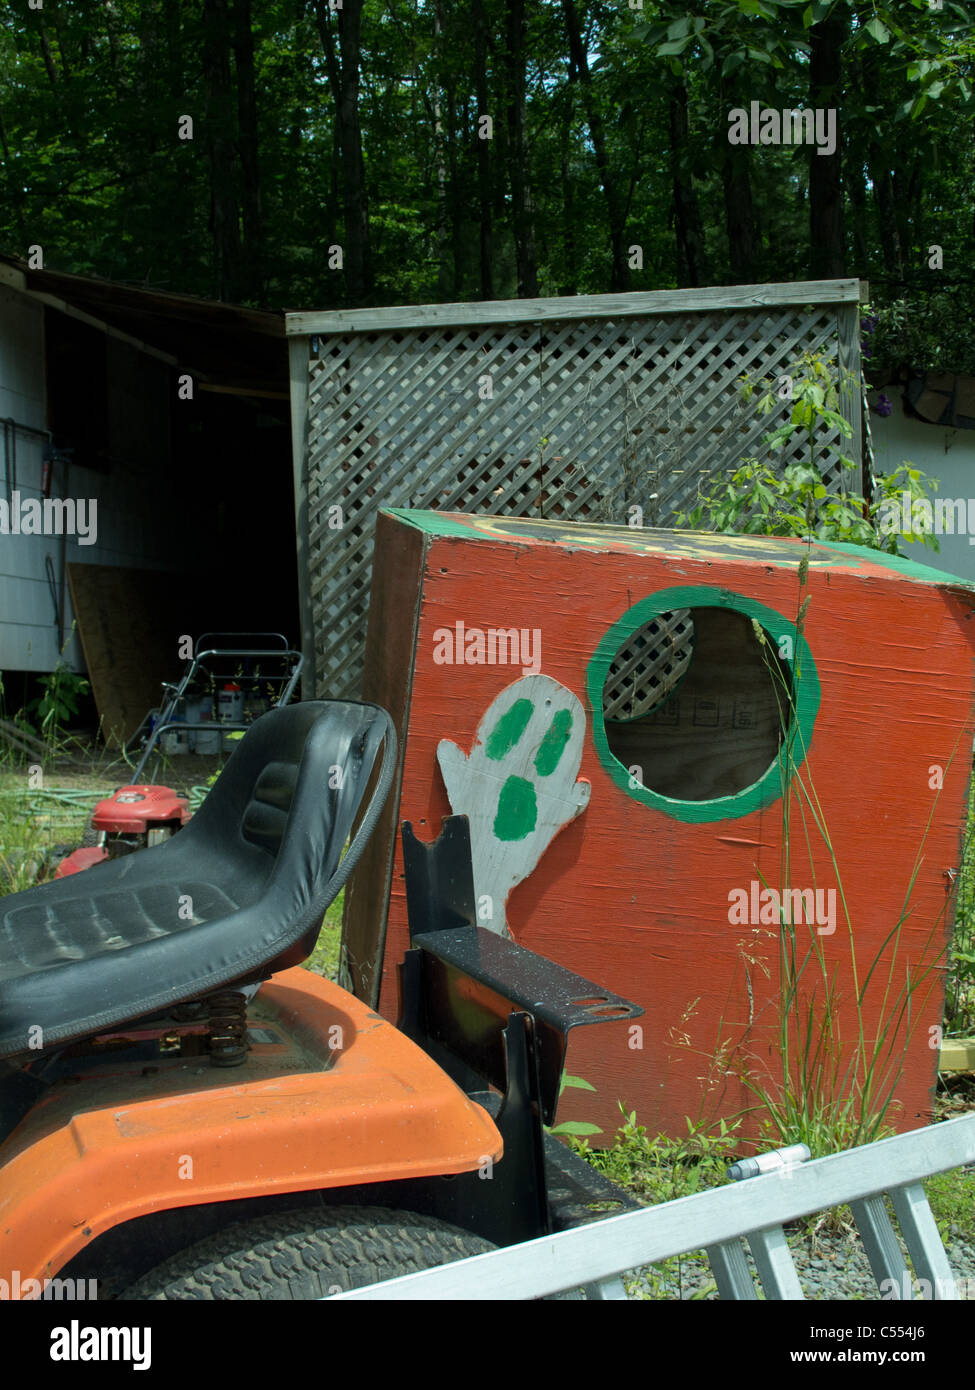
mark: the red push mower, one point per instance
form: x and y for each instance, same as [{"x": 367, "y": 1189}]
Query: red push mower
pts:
[{"x": 233, "y": 679}]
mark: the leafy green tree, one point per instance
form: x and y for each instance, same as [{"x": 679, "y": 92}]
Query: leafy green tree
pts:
[{"x": 474, "y": 149}]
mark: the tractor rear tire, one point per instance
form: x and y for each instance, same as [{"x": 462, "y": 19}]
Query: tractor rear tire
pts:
[{"x": 307, "y": 1255}]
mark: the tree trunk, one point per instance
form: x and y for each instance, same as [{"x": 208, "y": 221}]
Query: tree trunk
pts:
[
  {"x": 440, "y": 157},
  {"x": 174, "y": 51},
  {"x": 16, "y": 191},
  {"x": 857, "y": 194},
  {"x": 883, "y": 193},
  {"x": 570, "y": 255},
  {"x": 485, "y": 196},
  {"x": 358, "y": 261},
  {"x": 454, "y": 195},
  {"x": 907, "y": 200},
  {"x": 62, "y": 51},
  {"x": 343, "y": 74},
  {"x": 49, "y": 67},
  {"x": 739, "y": 217},
  {"x": 253, "y": 256},
  {"x": 111, "y": 29},
  {"x": 827, "y": 257},
  {"x": 620, "y": 271},
  {"x": 878, "y": 169},
  {"x": 220, "y": 133},
  {"x": 688, "y": 231},
  {"x": 739, "y": 214},
  {"x": 518, "y": 170}
]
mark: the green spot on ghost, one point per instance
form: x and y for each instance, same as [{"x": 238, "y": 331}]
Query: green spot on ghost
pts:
[
  {"x": 517, "y": 810},
  {"x": 508, "y": 729},
  {"x": 553, "y": 744}
]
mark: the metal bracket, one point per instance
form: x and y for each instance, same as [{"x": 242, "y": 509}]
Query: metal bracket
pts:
[{"x": 469, "y": 981}]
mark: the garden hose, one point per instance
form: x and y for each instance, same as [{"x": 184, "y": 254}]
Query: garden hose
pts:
[
  {"x": 54, "y": 806},
  {"x": 51, "y": 803}
]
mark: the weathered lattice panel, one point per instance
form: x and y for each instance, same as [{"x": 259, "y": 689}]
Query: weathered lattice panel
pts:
[
  {"x": 572, "y": 409},
  {"x": 649, "y": 668}
]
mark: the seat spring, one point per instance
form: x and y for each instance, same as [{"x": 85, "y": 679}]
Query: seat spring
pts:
[{"x": 227, "y": 1028}]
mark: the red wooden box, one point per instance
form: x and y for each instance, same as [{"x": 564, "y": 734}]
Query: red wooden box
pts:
[{"x": 670, "y": 886}]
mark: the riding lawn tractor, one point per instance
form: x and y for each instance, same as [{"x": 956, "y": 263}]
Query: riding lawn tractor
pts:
[{"x": 187, "y": 1114}]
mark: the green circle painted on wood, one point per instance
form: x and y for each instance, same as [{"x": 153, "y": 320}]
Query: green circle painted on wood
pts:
[{"x": 806, "y": 683}]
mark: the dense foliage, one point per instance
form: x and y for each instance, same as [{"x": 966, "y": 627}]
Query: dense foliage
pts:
[{"x": 318, "y": 124}]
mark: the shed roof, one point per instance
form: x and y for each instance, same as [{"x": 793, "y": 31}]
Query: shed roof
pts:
[{"x": 227, "y": 346}]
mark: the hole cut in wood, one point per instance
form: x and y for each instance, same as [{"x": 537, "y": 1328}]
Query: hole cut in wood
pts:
[{"x": 718, "y": 732}]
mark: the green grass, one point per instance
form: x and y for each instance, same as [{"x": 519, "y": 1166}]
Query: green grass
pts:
[
  {"x": 324, "y": 960},
  {"x": 33, "y": 820},
  {"x": 661, "y": 1169},
  {"x": 952, "y": 1199},
  {"x": 960, "y": 1002}
]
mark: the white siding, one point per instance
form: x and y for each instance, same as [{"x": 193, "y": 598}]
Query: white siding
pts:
[
  {"x": 28, "y": 636},
  {"x": 142, "y": 514},
  {"x": 946, "y": 454}
]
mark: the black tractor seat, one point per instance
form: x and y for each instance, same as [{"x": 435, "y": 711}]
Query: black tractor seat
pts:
[{"x": 239, "y": 893}]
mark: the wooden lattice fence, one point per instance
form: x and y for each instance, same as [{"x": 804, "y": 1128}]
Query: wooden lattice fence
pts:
[{"x": 576, "y": 409}]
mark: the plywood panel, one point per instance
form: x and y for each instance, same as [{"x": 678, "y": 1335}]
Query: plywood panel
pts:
[
  {"x": 390, "y": 656},
  {"x": 641, "y": 892},
  {"x": 130, "y": 622}
]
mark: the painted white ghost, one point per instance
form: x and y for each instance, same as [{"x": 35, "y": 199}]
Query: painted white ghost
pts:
[{"x": 517, "y": 786}]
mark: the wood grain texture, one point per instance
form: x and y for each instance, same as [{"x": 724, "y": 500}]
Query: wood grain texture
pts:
[
  {"x": 390, "y": 654},
  {"x": 576, "y": 306},
  {"x": 638, "y": 899},
  {"x": 957, "y": 1054}
]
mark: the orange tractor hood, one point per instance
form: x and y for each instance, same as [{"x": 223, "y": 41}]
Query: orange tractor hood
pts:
[{"x": 331, "y": 1095}]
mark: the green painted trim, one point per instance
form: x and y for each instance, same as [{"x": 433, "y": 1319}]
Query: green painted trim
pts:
[
  {"x": 775, "y": 550},
  {"x": 769, "y": 787},
  {"x": 433, "y": 523},
  {"x": 910, "y": 569}
]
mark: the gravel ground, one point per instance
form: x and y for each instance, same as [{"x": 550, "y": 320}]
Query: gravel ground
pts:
[{"x": 830, "y": 1267}]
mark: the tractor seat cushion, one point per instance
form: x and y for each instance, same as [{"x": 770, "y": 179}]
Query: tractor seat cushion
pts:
[
  {"x": 238, "y": 893},
  {"x": 41, "y": 934}
]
